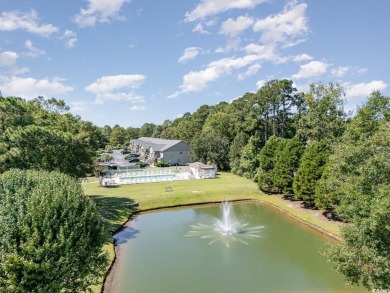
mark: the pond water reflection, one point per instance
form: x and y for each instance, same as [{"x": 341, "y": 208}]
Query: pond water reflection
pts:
[{"x": 279, "y": 255}]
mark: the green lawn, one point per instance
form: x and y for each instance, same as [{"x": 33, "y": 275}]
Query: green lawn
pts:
[{"x": 113, "y": 202}]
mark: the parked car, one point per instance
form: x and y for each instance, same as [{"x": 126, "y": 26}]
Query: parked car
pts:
[{"x": 133, "y": 160}]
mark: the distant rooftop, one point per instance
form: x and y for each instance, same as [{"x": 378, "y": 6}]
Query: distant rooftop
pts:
[{"x": 158, "y": 144}]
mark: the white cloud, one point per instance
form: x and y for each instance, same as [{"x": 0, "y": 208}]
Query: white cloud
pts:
[
  {"x": 102, "y": 98},
  {"x": 32, "y": 51},
  {"x": 302, "y": 57},
  {"x": 111, "y": 88},
  {"x": 8, "y": 59},
  {"x": 137, "y": 108},
  {"x": 79, "y": 106},
  {"x": 232, "y": 28},
  {"x": 252, "y": 70},
  {"x": 195, "y": 81},
  {"x": 284, "y": 26},
  {"x": 199, "y": 29},
  {"x": 15, "y": 20},
  {"x": 311, "y": 69},
  {"x": 29, "y": 87},
  {"x": 339, "y": 71},
  {"x": 260, "y": 83},
  {"x": 70, "y": 38},
  {"x": 189, "y": 54},
  {"x": 99, "y": 11},
  {"x": 212, "y": 7},
  {"x": 264, "y": 52},
  {"x": 363, "y": 89},
  {"x": 107, "y": 84}
]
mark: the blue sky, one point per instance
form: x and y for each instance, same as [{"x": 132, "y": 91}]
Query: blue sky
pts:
[{"x": 129, "y": 62}]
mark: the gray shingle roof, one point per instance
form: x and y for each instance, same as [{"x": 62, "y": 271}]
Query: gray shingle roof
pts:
[{"x": 158, "y": 144}]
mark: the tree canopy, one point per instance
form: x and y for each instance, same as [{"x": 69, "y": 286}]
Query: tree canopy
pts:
[{"x": 50, "y": 234}]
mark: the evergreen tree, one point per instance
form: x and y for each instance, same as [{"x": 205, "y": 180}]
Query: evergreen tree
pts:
[
  {"x": 286, "y": 164},
  {"x": 325, "y": 117},
  {"x": 267, "y": 158},
  {"x": 51, "y": 236},
  {"x": 310, "y": 170},
  {"x": 249, "y": 161},
  {"x": 235, "y": 152},
  {"x": 356, "y": 184}
]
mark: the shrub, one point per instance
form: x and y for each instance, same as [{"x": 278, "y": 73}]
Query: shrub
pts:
[
  {"x": 50, "y": 234},
  {"x": 141, "y": 164},
  {"x": 161, "y": 164}
]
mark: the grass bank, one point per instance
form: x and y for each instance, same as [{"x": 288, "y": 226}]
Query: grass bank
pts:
[{"x": 113, "y": 202}]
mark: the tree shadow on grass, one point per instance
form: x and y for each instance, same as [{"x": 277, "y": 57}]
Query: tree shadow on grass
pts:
[{"x": 114, "y": 211}]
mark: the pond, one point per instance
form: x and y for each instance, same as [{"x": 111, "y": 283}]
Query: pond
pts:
[{"x": 181, "y": 250}]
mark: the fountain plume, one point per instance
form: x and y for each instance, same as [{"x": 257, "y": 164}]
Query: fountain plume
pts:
[{"x": 226, "y": 229}]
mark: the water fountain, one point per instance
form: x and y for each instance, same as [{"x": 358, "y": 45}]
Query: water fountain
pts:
[{"x": 226, "y": 229}]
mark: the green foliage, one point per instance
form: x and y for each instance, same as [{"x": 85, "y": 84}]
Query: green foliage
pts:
[
  {"x": 249, "y": 161},
  {"x": 310, "y": 170},
  {"x": 211, "y": 147},
  {"x": 359, "y": 161},
  {"x": 50, "y": 234},
  {"x": 235, "y": 152},
  {"x": 161, "y": 164},
  {"x": 40, "y": 134},
  {"x": 108, "y": 148},
  {"x": 268, "y": 156},
  {"x": 364, "y": 257},
  {"x": 273, "y": 106},
  {"x": 147, "y": 130},
  {"x": 325, "y": 116},
  {"x": 118, "y": 136},
  {"x": 39, "y": 148},
  {"x": 143, "y": 164},
  {"x": 356, "y": 184},
  {"x": 286, "y": 164}
]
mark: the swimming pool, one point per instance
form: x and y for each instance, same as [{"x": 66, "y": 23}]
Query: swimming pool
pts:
[{"x": 148, "y": 178}]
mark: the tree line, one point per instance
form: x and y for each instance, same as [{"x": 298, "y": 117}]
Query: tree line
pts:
[
  {"x": 307, "y": 146},
  {"x": 301, "y": 144}
]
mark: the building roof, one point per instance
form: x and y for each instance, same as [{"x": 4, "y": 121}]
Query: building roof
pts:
[
  {"x": 158, "y": 144},
  {"x": 201, "y": 165}
]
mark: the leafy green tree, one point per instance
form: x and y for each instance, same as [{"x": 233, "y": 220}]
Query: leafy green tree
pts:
[
  {"x": 51, "y": 235},
  {"x": 219, "y": 122},
  {"x": 39, "y": 148},
  {"x": 273, "y": 106},
  {"x": 286, "y": 165},
  {"x": 363, "y": 142},
  {"x": 267, "y": 158},
  {"x": 310, "y": 170},
  {"x": 325, "y": 117},
  {"x": 249, "y": 161},
  {"x": 14, "y": 112},
  {"x": 211, "y": 147},
  {"x": 52, "y": 105},
  {"x": 242, "y": 115},
  {"x": 106, "y": 132},
  {"x": 235, "y": 152},
  {"x": 118, "y": 136},
  {"x": 364, "y": 256},
  {"x": 132, "y": 133},
  {"x": 356, "y": 186},
  {"x": 147, "y": 130}
]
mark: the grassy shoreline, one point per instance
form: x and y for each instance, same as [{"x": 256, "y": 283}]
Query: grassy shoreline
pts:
[{"x": 115, "y": 203}]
